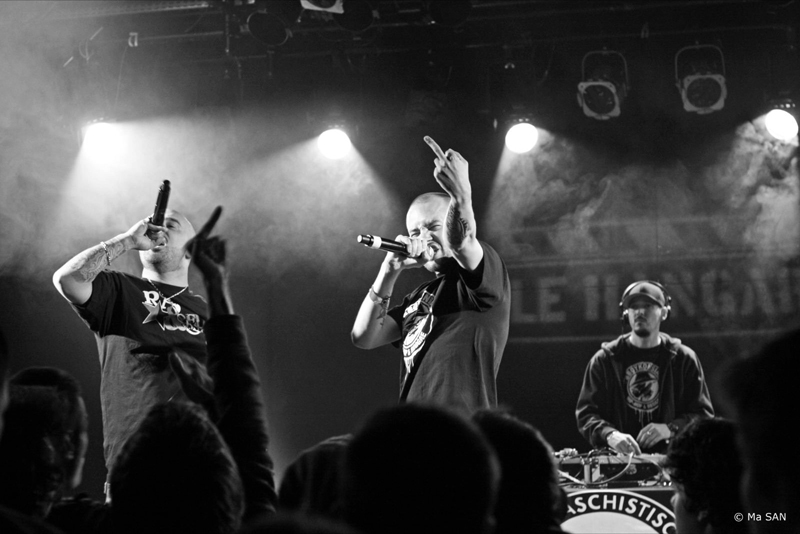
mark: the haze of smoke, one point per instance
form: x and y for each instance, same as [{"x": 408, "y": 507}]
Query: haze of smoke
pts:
[
  {"x": 280, "y": 209},
  {"x": 776, "y": 229},
  {"x": 34, "y": 152},
  {"x": 562, "y": 190},
  {"x": 536, "y": 188},
  {"x": 300, "y": 210},
  {"x": 756, "y": 181}
]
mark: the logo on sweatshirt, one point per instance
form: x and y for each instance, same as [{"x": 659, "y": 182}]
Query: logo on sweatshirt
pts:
[{"x": 641, "y": 384}]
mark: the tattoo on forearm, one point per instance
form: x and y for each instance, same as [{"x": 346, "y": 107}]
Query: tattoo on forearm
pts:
[
  {"x": 90, "y": 263},
  {"x": 87, "y": 265},
  {"x": 457, "y": 227}
]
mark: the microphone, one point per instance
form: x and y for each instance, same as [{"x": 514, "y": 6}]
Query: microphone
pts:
[
  {"x": 376, "y": 242},
  {"x": 161, "y": 204}
]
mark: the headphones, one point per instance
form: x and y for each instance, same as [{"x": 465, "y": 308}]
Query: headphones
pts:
[{"x": 667, "y": 299}]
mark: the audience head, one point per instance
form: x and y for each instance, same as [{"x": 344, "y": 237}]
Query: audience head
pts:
[
  {"x": 312, "y": 484},
  {"x": 34, "y": 450},
  {"x": 416, "y": 468},
  {"x": 705, "y": 467},
  {"x": 529, "y": 498},
  {"x": 176, "y": 474},
  {"x": 759, "y": 391},
  {"x": 76, "y": 420}
]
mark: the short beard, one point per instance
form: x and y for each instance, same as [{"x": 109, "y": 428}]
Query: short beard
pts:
[{"x": 161, "y": 263}]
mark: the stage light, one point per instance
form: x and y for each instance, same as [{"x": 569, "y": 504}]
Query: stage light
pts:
[
  {"x": 604, "y": 84},
  {"x": 102, "y": 140},
  {"x": 700, "y": 78},
  {"x": 334, "y": 143},
  {"x": 95, "y": 127},
  {"x": 521, "y": 137},
  {"x": 781, "y": 124}
]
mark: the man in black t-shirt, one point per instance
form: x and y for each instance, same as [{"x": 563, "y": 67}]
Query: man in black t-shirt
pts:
[
  {"x": 453, "y": 329},
  {"x": 644, "y": 383},
  {"x": 136, "y": 321}
]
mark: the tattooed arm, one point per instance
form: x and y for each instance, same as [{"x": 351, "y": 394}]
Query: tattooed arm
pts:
[
  {"x": 452, "y": 174},
  {"x": 372, "y": 327},
  {"x": 74, "y": 279}
]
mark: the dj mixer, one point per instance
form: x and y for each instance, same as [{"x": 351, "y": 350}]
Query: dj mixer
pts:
[{"x": 609, "y": 469}]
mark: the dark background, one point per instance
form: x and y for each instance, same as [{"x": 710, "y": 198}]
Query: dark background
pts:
[{"x": 706, "y": 204}]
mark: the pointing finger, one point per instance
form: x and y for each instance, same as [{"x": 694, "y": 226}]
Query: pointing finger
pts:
[
  {"x": 204, "y": 231},
  {"x": 209, "y": 225}
]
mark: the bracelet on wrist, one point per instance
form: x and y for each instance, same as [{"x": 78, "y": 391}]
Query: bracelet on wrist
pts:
[
  {"x": 377, "y": 299},
  {"x": 108, "y": 254}
]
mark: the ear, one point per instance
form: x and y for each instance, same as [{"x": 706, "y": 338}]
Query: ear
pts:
[{"x": 664, "y": 313}]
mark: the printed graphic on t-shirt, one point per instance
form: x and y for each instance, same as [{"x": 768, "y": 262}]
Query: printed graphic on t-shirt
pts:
[
  {"x": 641, "y": 381},
  {"x": 168, "y": 316},
  {"x": 419, "y": 327}
]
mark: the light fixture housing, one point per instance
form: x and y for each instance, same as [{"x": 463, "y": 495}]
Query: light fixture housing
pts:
[
  {"x": 604, "y": 84},
  {"x": 358, "y": 16},
  {"x": 700, "y": 78},
  {"x": 270, "y": 28},
  {"x": 331, "y": 6}
]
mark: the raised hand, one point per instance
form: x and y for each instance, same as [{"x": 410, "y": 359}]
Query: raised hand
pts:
[
  {"x": 451, "y": 172},
  {"x": 143, "y": 235},
  {"x": 208, "y": 253}
]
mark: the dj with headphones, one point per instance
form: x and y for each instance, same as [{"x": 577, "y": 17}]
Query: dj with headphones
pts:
[{"x": 640, "y": 389}]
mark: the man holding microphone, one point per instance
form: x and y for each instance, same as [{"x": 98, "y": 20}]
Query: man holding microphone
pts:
[
  {"x": 452, "y": 329},
  {"x": 137, "y": 320}
]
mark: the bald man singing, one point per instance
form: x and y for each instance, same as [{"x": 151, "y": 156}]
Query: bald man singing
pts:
[
  {"x": 452, "y": 329},
  {"x": 137, "y": 319}
]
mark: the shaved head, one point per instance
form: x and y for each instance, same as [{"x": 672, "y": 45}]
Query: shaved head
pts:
[
  {"x": 430, "y": 198},
  {"x": 180, "y": 217}
]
